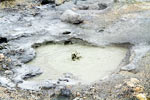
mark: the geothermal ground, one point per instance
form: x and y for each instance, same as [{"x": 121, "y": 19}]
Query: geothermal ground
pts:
[{"x": 75, "y": 50}]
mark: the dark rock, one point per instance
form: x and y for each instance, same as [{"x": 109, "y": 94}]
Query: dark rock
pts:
[
  {"x": 102, "y": 6},
  {"x": 67, "y": 42},
  {"x": 43, "y": 2},
  {"x": 3, "y": 40},
  {"x": 66, "y": 92}
]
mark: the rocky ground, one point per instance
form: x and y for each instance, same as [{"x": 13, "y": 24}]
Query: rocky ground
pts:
[{"x": 93, "y": 22}]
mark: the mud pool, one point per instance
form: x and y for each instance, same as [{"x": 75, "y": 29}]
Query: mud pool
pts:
[{"x": 93, "y": 63}]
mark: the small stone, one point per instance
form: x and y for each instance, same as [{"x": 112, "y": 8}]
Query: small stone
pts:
[
  {"x": 130, "y": 84},
  {"x": 138, "y": 89},
  {"x": 59, "y": 2},
  {"x": 66, "y": 92},
  {"x": 141, "y": 96},
  {"x": 9, "y": 60},
  {"x": 118, "y": 86},
  {"x": 129, "y": 68},
  {"x": 102, "y": 6},
  {"x": 78, "y": 94},
  {"x": 2, "y": 57},
  {"x": 8, "y": 72},
  {"x": 134, "y": 80},
  {"x": 71, "y": 17}
]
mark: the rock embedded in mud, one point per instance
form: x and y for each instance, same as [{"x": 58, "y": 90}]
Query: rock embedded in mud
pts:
[
  {"x": 65, "y": 92},
  {"x": 8, "y": 72},
  {"x": 102, "y": 6},
  {"x": 71, "y": 17},
  {"x": 59, "y": 2},
  {"x": 4, "y": 62},
  {"x": 2, "y": 57},
  {"x": 129, "y": 68}
]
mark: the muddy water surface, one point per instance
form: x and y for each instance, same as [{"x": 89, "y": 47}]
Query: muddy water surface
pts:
[{"x": 93, "y": 64}]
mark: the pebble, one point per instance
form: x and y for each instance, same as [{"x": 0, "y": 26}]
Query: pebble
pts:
[
  {"x": 141, "y": 96},
  {"x": 2, "y": 57},
  {"x": 8, "y": 72}
]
